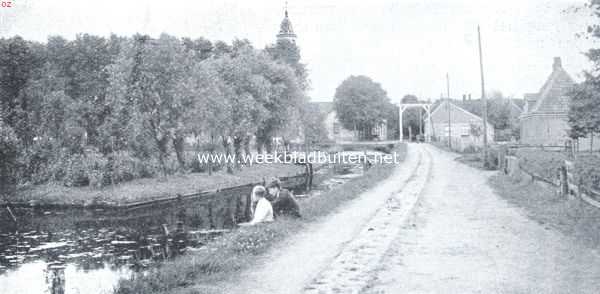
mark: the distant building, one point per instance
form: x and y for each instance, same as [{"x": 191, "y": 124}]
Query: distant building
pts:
[
  {"x": 336, "y": 131},
  {"x": 464, "y": 128},
  {"x": 544, "y": 120},
  {"x": 513, "y": 108}
]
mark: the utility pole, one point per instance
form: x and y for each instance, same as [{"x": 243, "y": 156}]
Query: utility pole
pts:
[
  {"x": 484, "y": 100},
  {"x": 448, "y": 109}
]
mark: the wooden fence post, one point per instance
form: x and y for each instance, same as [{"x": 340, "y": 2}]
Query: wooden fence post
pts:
[{"x": 564, "y": 181}]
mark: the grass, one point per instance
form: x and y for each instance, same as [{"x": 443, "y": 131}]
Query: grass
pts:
[
  {"x": 542, "y": 163},
  {"x": 587, "y": 171},
  {"x": 198, "y": 272},
  {"x": 572, "y": 217},
  {"x": 153, "y": 188}
]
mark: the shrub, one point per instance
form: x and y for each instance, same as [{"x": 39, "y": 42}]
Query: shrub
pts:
[
  {"x": 96, "y": 168},
  {"x": 84, "y": 169},
  {"x": 587, "y": 171},
  {"x": 493, "y": 158}
]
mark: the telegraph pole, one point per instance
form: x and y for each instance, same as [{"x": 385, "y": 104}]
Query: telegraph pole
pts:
[
  {"x": 484, "y": 100},
  {"x": 448, "y": 109}
]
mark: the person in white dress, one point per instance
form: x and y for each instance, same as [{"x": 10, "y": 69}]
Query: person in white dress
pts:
[{"x": 263, "y": 211}]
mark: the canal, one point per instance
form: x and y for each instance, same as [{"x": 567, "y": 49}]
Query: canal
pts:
[{"x": 74, "y": 250}]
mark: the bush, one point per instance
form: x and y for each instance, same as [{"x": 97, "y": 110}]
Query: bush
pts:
[
  {"x": 123, "y": 167},
  {"x": 84, "y": 169},
  {"x": 587, "y": 171},
  {"x": 493, "y": 159}
]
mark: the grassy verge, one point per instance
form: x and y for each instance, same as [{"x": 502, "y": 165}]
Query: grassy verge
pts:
[
  {"x": 234, "y": 252},
  {"x": 587, "y": 171},
  {"x": 572, "y": 217},
  {"x": 154, "y": 188},
  {"x": 542, "y": 163}
]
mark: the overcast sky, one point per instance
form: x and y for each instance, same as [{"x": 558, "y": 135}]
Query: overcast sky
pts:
[{"x": 406, "y": 45}]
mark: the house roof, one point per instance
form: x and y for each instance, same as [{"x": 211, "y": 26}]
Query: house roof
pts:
[
  {"x": 442, "y": 105},
  {"x": 553, "y": 96}
]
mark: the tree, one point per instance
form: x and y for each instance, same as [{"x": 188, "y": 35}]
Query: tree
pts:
[
  {"x": 18, "y": 62},
  {"x": 238, "y": 89},
  {"x": 360, "y": 103},
  {"x": 584, "y": 109},
  {"x": 9, "y": 146},
  {"x": 289, "y": 53},
  {"x": 145, "y": 85},
  {"x": 313, "y": 125}
]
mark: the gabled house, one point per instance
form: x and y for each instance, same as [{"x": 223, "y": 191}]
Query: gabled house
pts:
[
  {"x": 463, "y": 128},
  {"x": 544, "y": 120}
]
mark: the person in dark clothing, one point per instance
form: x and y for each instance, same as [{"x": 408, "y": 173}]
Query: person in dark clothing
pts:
[{"x": 282, "y": 200}]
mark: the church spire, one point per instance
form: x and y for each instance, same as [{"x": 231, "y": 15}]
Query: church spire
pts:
[{"x": 286, "y": 32}]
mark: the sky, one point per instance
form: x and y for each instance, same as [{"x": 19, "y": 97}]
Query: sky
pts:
[{"x": 408, "y": 46}]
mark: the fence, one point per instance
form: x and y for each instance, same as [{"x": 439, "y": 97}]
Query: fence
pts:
[{"x": 564, "y": 182}]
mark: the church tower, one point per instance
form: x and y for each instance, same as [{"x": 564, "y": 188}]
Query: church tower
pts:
[{"x": 286, "y": 32}]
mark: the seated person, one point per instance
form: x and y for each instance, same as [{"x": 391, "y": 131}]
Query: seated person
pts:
[
  {"x": 282, "y": 200},
  {"x": 263, "y": 211}
]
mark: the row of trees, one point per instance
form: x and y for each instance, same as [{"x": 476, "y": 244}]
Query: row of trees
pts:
[{"x": 98, "y": 110}]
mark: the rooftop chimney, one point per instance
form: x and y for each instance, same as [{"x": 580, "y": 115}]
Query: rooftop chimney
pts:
[{"x": 557, "y": 63}]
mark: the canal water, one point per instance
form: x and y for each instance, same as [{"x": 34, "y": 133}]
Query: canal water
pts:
[{"x": 69, "y": 251}]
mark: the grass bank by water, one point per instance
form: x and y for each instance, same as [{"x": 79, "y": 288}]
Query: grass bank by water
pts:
[
  {"x": 154, "y": 188},
  {"x": 198, "y": 272}
]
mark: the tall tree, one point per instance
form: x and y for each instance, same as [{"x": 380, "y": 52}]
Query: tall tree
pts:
[
  {"x": 150, "y": 95},
  {"x": 9, "y": 146},
  {"x": 584, "y": 112},
  {"x": 360, "y": 103},
  {"x": 18, "y": 62}
]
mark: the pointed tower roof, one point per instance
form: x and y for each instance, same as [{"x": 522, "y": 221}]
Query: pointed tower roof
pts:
[{"x": 285, "y": 29}]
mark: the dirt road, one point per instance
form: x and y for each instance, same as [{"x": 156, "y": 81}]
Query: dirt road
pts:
[
  {"x": 433, "y": 227},
  {"x": 288, "y": 268},
  {"x": 462, "y": 238}
]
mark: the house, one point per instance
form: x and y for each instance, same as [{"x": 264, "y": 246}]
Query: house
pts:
[
  {"x": 544, "y": 120},
  {"x": 336, "y": 131},
  {"x": 499, "y": 109},
  {"x": 463, "y": 127}
]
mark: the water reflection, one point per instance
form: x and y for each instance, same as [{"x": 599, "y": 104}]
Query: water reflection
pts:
[{"x": 68, "y": 252}]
